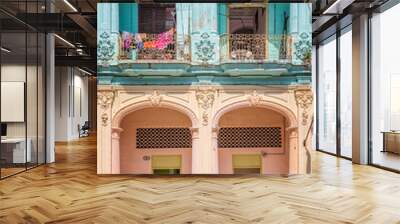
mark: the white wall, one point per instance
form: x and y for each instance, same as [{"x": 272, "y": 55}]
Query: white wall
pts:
[
  {"x": 71, "y": 102},
  {"x": 34, "y": 125},
  {"x": 16, "y": 73}
]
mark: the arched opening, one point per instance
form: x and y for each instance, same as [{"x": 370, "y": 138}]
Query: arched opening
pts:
[
  {"x": 156, "y": 140},
  {"x": 253, "y": 140}
]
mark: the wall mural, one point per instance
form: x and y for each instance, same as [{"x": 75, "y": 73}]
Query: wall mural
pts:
[{"x": 189, "y": 88}]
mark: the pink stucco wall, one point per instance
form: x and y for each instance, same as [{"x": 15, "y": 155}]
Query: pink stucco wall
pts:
[
  {"x": 132, "y": 161},
  {"x": 275, "y": 161}
]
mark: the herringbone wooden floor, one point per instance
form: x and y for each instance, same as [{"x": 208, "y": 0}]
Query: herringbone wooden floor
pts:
[{"x": 69, "y": 191}]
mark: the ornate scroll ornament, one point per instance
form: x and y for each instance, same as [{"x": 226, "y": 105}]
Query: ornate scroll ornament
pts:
[
  {"x": 304, "y": 99},
  {"x": 155, "y": 98},
  {"x": 254, "y": 98},
  {"x": 105, "y": 99},
  {"x": 105, "y": 48},
  {"x": 205, "y": 99},
  {"x": 205, "y": 48}
]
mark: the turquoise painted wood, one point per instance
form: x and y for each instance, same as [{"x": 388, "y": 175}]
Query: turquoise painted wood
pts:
[
  {"x": 183, "y": 28},
  {"x": 128, "y": 17},
  {"x": 276, "y": 25},
  {"x": 222, "y": 18}
]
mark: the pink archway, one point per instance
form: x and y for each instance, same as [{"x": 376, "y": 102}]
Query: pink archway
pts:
[
  {"x": 130, "y": 108},
  {"x": 285, "y": 111},
  {"x": 121, "y": 113},
  {"x": 291, "y": 132}
]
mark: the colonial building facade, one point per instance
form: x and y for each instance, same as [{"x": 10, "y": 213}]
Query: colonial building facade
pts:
[{"x": 204, "y": 88}]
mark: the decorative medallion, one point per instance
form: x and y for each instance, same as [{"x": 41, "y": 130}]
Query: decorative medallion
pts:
[
  {"x": 303, "y": 48},
  {"x": 254, "y": 98},
  {"x": 304, "y": 99},
  {"x": 205, "y": 48},
  {"x": 155, "y": 98},
  {"x": 205, "y": 98},
  {"x": 105, "y": 99},
  {"x": 105, "y": 48}
]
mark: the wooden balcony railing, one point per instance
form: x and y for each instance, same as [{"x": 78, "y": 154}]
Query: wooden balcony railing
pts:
[
  {"x": 256, "y": 47},
  {"x": 247, "y": 46}
]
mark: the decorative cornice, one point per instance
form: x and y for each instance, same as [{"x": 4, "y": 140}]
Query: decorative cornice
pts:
[{"x": 155, "y": 98}]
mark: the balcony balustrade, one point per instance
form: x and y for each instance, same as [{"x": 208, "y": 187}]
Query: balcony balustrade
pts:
[
  {"x": 256, "y": 47},
  {"x": 233, "y": 48}
]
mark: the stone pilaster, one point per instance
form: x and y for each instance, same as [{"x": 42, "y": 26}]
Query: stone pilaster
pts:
[
  {"x": 115, "y": 150},
  {"x": 207, "y": 156},
  {"x": 196, "y": 149},
  {"x": 304, "y": 101},
  {"x": 104, "y": 119}
]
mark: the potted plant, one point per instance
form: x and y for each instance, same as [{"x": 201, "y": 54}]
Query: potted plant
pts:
[{"x": 307, "y": 58}]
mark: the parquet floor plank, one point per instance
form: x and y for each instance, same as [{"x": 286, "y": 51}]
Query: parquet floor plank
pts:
[{"x": 69, "y": 191}]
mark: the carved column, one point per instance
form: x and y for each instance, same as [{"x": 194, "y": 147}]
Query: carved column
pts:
[
  {"x": 214, "y": 139},
  {"x": 115, "y": 153},
  {"x": 104, "y": 118},
  {"x": 206, "y": 157},
  {"x": 292, "y": 145},
  {"x": 304, "y": 100},
  {"x": 195, "y": 149}
]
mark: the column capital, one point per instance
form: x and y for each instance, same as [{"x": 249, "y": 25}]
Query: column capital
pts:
[
  {"x": 195, "y": 133},
  {"x": 115, "y": 132},
  {"x": 215, "y": 132},
  {"x": 292, "y": 132}
]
